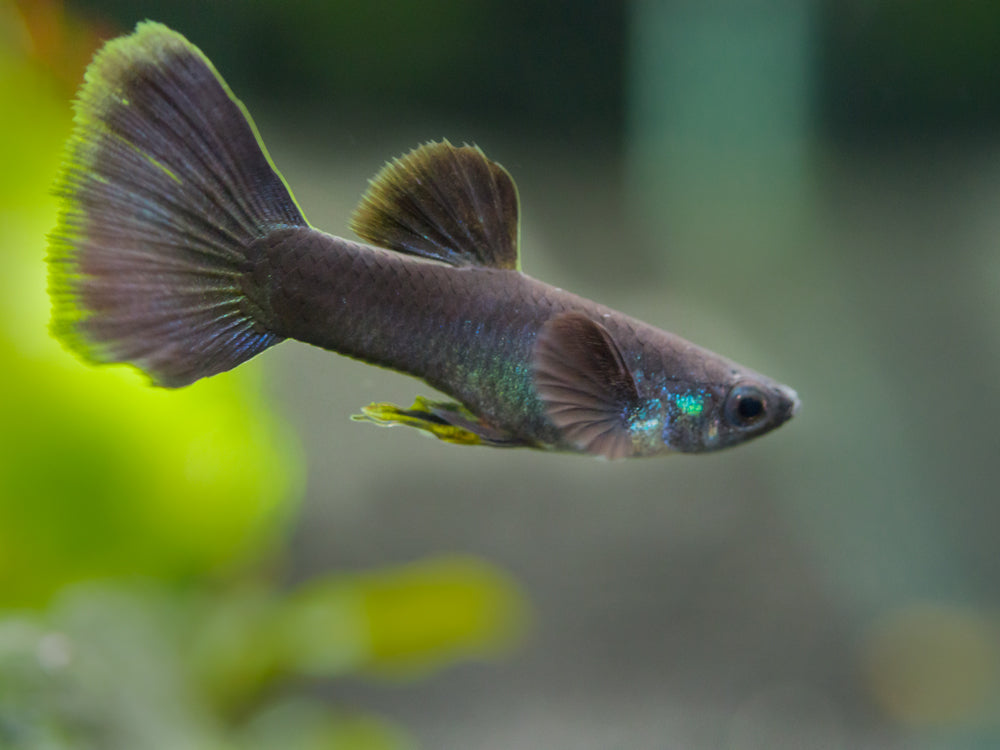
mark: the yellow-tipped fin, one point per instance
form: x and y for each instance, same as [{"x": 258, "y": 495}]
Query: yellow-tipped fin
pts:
[
  {"x": 164, "y": 188},
  {"x": 445, "y": 420}
]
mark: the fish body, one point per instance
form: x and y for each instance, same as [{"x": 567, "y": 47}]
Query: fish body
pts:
[{"x": 181, "y": 251}]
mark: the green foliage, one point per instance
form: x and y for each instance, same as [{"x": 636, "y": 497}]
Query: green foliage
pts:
[
  {"x": 114, "y": 669},
  {"x": 131, "y": 519},
  {"x": 119, "y": 667},
  {"x": 99, "y": 474}
]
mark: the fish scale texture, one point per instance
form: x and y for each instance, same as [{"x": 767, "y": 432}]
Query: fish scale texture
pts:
[{"x": 467, "y": 331}]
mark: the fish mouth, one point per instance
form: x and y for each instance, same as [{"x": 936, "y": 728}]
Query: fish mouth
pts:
[
  {"x": 794, "y": 402},
  {"x": 789, "y": 405}
]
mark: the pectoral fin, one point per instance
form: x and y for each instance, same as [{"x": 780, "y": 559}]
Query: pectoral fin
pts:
[
  {"x": 587, "y": 390},
  {"x": 445, "y": 420}
]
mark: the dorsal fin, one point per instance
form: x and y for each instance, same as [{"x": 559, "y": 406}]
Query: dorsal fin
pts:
[
  {"x": 582, "y": 380},
  {"x": 444, "y": 202}
]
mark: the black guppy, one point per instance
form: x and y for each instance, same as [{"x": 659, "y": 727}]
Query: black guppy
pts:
[{"x": 180, "y": 250}]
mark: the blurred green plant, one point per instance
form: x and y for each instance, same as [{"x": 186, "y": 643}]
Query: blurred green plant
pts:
[
  {"x": 118, "y": 667},
  {"x": 134, "y": 521},
  {"x": 99, "y": 474}
]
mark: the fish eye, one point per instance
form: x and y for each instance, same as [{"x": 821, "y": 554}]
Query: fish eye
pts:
[{"x": 746, "y": 406}]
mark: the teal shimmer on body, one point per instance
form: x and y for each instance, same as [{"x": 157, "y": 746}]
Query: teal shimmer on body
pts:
[
  {"x": 646, "y": 425},
  {"x": 513, "y": 385},
  {"x": 689, "y": 404}
]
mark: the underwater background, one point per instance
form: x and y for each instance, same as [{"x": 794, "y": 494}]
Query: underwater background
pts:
[{"x": 811, "y": 188}]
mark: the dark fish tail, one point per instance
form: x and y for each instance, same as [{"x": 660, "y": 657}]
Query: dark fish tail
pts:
[{"x": 165, "y": 188}]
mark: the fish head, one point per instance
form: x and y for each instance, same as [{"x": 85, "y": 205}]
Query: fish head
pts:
[
  {"x": 697, "y": 417},
  {"x": 655, "y": 394}
]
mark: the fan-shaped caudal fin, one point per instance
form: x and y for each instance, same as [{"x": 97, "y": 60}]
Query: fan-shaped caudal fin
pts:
[{"x": 164, "y": 188}]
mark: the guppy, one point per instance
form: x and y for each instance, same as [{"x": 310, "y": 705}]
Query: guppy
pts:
[{"x": 180, "y": 250}]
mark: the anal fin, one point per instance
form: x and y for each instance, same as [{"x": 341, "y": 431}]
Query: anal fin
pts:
[{"x": 446, "y": 420}]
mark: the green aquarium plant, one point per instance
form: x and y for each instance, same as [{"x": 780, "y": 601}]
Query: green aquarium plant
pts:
[
  {"x": 141, "y": 530},
  {"x": 100, "y": 475}
]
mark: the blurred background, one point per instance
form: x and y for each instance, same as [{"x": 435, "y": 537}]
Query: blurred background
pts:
[{"x": 809, "y": 187}]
